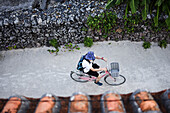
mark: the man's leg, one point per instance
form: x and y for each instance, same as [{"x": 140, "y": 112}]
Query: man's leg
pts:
[
  {"x": 93, "y": 73},
  {"x": 95, "y": 66},
  {"x": 98, "y": 78}
]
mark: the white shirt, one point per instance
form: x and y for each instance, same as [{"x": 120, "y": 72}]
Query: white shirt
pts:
[{"x": 86, "y": 65}]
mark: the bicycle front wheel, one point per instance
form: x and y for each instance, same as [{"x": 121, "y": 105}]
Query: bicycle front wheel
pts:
[
  {"x": 77, "y": 77},
  {"x": 114, "y": 81}
]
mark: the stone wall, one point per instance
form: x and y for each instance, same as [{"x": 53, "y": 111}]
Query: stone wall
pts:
[{"x": 28, "y": 28}]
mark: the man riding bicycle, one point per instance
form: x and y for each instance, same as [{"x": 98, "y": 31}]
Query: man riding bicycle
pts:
[{"x": 91, "y": 68}]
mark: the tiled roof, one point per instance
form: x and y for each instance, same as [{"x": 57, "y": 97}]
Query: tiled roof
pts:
[{"x": 139, "y": 101}]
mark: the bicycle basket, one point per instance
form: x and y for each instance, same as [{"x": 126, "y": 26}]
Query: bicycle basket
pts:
[{"x": 114, "y": 69}]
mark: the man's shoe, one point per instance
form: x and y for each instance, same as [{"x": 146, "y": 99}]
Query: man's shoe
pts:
[{"x": 98, "y": 83}]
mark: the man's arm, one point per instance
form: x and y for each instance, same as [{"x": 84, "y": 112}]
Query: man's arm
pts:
[{"x": 98, "y": 57}]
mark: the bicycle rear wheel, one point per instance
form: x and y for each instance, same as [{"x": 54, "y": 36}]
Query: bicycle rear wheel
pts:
[
  {"x": 77, "y": 77},
  {"x": 114, "y": 81}
]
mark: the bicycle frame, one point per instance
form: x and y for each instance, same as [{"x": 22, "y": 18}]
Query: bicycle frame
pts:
[
  {"x": 113, "y": 80},
  {"x": 92, "y": 78}
]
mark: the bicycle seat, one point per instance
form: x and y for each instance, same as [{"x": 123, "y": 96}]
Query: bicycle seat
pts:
[{"x": 114, "y": 69}]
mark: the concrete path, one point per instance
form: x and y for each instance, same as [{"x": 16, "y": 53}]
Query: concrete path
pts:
[{"x": 33, "y": 72}]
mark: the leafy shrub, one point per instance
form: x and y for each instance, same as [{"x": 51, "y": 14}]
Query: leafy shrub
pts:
[
  {"x": 88, "y": 42},
  {"x": 55, "y": 44},
  {"x": 146, "y": 45},
  {"x": 130, "y": 23},
  {"x": 143, "y": 38},
  {"x": 84, "y": 29},
  {"x": 71, "y": 47},
  {"x": 11, "y": 47},
  {"x": 163, "y": 43},
  {"x": 105, "y": 36},
  {"x": 104, "y": 22}
]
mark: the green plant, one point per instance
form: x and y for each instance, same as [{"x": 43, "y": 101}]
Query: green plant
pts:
[
  {"x": 161, "y": 6},
  {"x": 162, "y": 44},
  {"x": 133, "y": 4},
  {"x": 162, "y": 24},
  {"x": 130, "y": 24},
  {"x": 11, "y": 47},
  {"x": 146, "y": 45},
  {"x": 116, "y": 39},
  {"x": 88, "y": 42},
  {"x": 143, "y": 38},
  {"x": 146, "y": 6},
  {"x": 55, "y": 44},
  {"x": 71, "y": 47},
  {"x": 84, "y": 29},
  {"x": 104, "y": 22},
  {"x": 105, "y": 36},
  {"x": 168, "y": 22}
]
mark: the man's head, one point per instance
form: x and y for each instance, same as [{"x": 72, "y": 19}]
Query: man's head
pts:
[{"x": 90, "y": 55}]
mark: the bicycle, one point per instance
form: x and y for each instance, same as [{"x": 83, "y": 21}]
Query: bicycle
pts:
[{"x": 112, "y": 76}]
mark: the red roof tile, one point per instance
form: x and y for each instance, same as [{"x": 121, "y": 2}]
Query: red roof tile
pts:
[{"x": 139, "y": 101}]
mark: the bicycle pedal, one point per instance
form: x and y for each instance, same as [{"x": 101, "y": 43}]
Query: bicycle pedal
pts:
[{"x": 114, "y": 79}]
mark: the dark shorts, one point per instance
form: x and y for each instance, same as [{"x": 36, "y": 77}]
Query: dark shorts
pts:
[{"x": 94, "y": 73}]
